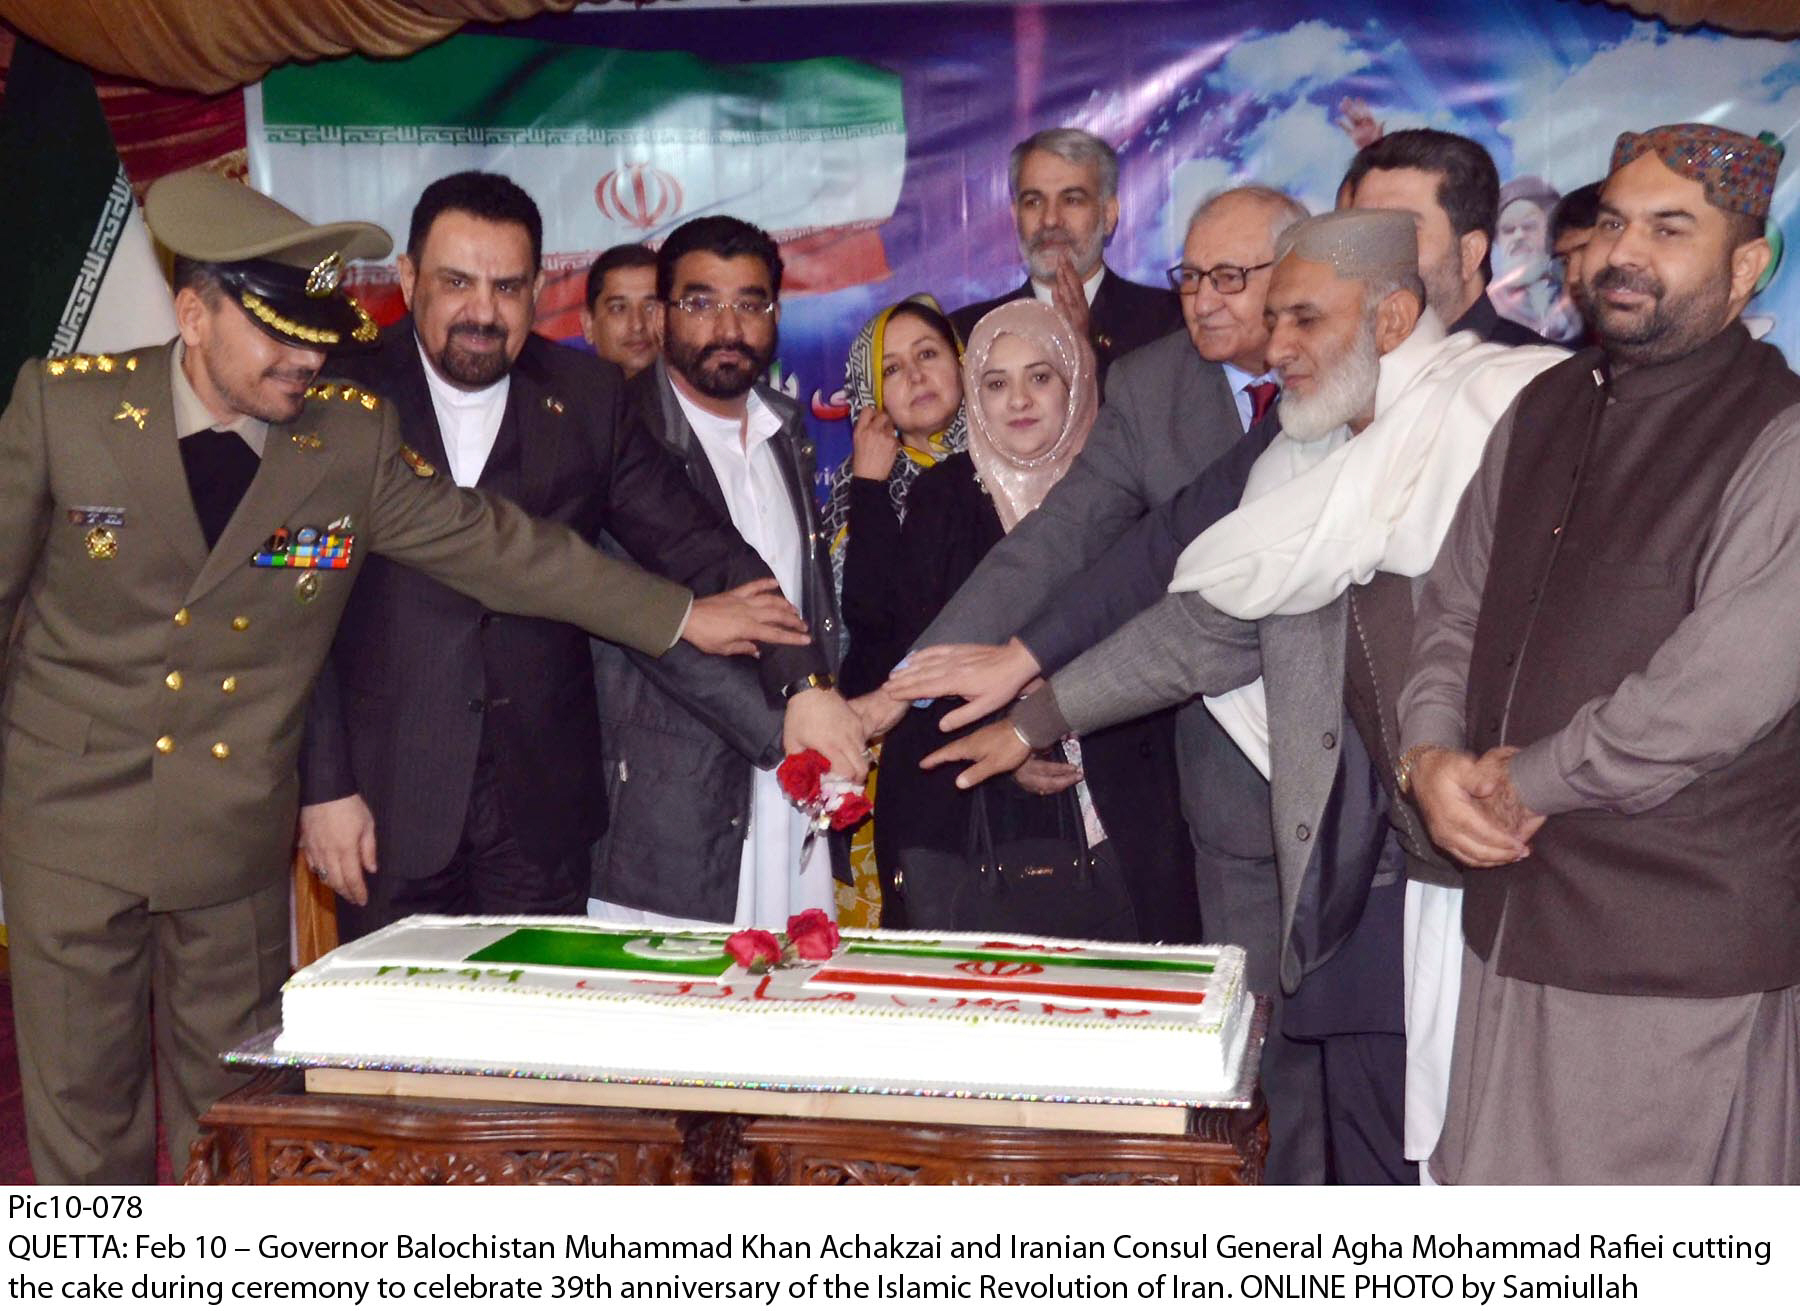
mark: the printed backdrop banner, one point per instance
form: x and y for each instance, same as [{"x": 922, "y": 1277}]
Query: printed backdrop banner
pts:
[{"x": 872, "y": 139}]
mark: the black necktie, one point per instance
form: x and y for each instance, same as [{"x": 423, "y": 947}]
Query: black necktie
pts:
[{"x": 219, "y": 467}]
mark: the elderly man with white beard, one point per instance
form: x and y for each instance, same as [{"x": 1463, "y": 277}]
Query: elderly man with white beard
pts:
[{"x": 1293, "y": 616}]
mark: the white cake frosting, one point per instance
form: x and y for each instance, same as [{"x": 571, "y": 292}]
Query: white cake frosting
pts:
[{"x": 989, "y": 1013}]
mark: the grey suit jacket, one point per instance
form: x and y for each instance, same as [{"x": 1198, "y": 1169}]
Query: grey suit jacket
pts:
[
  {"x": 1168, "y": 415},
  {"x": 1182, "y": 648}
]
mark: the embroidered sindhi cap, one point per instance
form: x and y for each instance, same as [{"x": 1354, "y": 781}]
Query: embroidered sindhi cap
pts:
[
  {"x": 1737, "y": 171},
  {"x": 284, "y": 271},
  {"x": 1364, "y": 245}
]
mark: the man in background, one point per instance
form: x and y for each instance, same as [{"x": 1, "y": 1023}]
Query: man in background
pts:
[
  {"x": 1571, "y": 228},
  {"x": 1065, "y": 203},
  {"x": 621, "y": 316},
  {"x": 1450, "y": 186}
]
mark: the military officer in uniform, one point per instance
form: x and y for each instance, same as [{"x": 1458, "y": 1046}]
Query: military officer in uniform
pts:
[{"x": 179, "y": 529}]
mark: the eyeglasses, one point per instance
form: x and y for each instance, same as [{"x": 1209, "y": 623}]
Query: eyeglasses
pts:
[
  {"x": 1227, "y": 279},
  {"x": 705, "y": 307}
]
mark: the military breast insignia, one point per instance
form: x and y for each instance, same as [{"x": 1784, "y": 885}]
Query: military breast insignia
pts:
[
  {"x": 306, "y": 549},
  {"x": 416, "y": 462},
  {"x": 101, "y": 544},
  {"x": 306, "y": 587},
  {"x": 132, "y": 414},
  {"x": 97, "y": 516},
  {"x": 307, "y": 441}
]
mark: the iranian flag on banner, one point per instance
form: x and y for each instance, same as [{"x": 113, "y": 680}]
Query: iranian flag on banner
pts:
[
  {"x": 614, "y": 146},
  {"x": 79, "y": 268}
]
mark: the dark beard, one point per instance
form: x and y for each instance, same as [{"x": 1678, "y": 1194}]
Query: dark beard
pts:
[
  {"x": 1673, "y": 326},
  {"x": 721, "y": 381},
  {"x": 467, "y": 368}
]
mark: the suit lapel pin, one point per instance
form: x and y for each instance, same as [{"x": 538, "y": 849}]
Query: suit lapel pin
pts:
[
  {"x": 132, "y": 413},
  {"x": 553, "y": 405}
]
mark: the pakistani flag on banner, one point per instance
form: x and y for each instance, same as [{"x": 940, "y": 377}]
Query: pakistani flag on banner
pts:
[
  {"x": 77, "y": 262},
  {"x": 615, "y": 146}
]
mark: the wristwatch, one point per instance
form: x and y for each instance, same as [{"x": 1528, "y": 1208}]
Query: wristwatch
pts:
[
  {"x": 824, "y": 682},
  {"x": 1409, "y": 761}
]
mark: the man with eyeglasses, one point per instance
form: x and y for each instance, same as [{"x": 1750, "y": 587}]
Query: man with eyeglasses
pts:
[
  {"x": 1064, "y": 184},
  {"x": 453, "y": 756},
  {"x": 701, "y": 831},
  {"x": 1194, "y": 407}
]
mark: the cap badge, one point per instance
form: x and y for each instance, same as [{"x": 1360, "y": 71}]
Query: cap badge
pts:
[
  {"x": 132, "y": 413},
  {"x": 325, "y": 276}
]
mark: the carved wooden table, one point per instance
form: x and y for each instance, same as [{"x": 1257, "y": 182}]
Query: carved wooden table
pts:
[{"x": 272, "y": 1131}]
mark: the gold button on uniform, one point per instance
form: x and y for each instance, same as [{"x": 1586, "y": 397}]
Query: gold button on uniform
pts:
[
  {"x": 220, "y": 750},
  {"x": 240, "y": 623},
  {"x": 172, "y": 680},
  {"x": 165, "y": 744},
  {"x": 181, "y": 617},
  {"x": 229, "y": 685}
]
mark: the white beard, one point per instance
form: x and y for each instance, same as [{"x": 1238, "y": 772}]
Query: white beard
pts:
[{"x": 1346, "y": 390}]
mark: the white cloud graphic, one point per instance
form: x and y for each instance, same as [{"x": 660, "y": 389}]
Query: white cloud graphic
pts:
[
  {"x": 1312, "y": 53},
  {"x": 1570, "y": 115}
]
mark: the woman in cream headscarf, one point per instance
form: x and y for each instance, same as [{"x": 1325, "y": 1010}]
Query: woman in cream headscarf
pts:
[
  {"x": 1030, "y": 396},
  {"x": 904, "y": 381}
]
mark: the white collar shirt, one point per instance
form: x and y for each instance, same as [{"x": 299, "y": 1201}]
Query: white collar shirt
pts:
[
  {"x": 468, "y": 421},
  {"x": 1046, "y": 291},
  {"x": 1238, "y": 380}
]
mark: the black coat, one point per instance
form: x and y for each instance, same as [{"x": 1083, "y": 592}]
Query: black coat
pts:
[
  {"x": 1124, "y": 316},
  {"x": 1130, "y": 768},
  {"x": 418, "y": 671},
  {"x": 683, "y": 735}
]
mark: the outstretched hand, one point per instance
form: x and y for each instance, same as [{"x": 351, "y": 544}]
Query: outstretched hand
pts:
[
  {"x": 993, "y": 750},
  {"x": 733, "y": 622},
  {"x": 986, "y": 677}
]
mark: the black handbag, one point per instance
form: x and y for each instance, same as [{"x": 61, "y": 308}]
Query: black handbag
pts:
[{"x": 1034, "y": 878}]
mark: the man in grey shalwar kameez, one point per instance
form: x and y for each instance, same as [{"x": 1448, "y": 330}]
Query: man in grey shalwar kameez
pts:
[{"x": 1601, "y": 719}]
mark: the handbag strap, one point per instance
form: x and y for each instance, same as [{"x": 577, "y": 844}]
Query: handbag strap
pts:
[{"x": 981, "y": 837}]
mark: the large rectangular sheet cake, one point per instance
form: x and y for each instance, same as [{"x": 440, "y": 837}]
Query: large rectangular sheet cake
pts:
[{"x": 886, "y": 1012}]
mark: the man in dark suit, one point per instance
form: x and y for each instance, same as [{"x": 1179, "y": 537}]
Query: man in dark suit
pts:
[
  {"x": 1065, "y": 200},
  {"x": 462, "y": 746},
  {"x": 1449, "y": 184}
]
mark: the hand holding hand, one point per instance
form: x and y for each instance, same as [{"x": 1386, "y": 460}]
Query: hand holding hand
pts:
[
  {"x": 1069, "y": 296},
  {"x": 874, "y": 444},
  {"x": 821, "y": 719},
  {"x": 995, "y": 749},
  {"x": 988, "y": 677},
  {"x": 1453, "y": 791},
  {"x": 878, "y": 711},
  {"x": 1046, "y": 777},
  {"x": 338, "y": 840},
  {"x": 733, "y": 622},
  {"x": 1503, "y": 801}
]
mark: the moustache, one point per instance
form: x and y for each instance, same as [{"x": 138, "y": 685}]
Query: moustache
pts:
[
  {"x": 1612, "y": 278},
  {"x": 721, "y": 347},
  {"x": 479, "y": 331},
  {"x": 1051, "y": 237}
]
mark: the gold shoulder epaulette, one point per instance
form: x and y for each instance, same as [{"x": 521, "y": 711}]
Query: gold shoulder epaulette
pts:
[
  {"x": 343, "y": 391},
  {"x": 63, "y": 366}
]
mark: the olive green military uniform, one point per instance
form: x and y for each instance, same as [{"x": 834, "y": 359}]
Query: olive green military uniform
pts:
[{"x": 153, "y": 698}]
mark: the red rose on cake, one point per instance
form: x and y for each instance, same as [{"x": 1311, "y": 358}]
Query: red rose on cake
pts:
[
  {"x": 813, "y": 933},
  {"x": 754, "y": 949}
]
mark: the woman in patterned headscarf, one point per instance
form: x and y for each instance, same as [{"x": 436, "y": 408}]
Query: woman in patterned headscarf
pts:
[
  {"x": 904, "y": 382},
  {"x": 1028, "y": 379}
]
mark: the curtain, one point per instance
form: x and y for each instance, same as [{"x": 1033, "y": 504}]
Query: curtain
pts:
[{"x": 213, "y": 46}]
